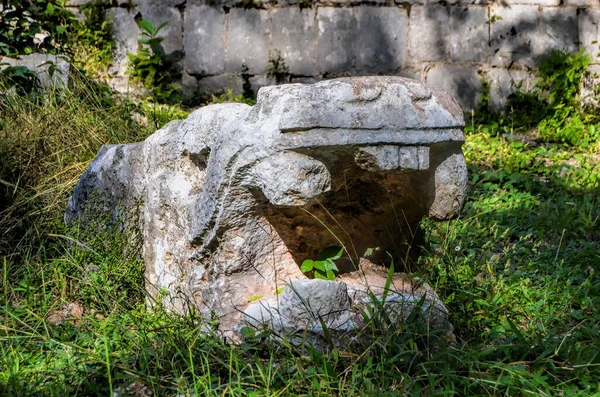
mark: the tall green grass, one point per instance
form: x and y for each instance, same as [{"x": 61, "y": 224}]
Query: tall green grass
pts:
[{"x": 47, "y": 140}]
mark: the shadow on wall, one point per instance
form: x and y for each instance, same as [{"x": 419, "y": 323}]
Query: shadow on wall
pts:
[{"x": 499, "y": 43}]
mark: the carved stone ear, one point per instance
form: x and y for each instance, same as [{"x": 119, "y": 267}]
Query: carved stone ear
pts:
[
  {"x": 451, "y": 180},
  {"x": 290, "y": 178}
]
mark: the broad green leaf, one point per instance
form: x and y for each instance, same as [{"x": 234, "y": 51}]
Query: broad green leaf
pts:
[
  {"x": 247, "y": 332},
  {"x": 330, "y": 265},
  {"x": 147, "y": 26},
  {"x": 331, "y": 253},
  {"x": 155, "y": 41},
  {"x": 307, "y": 266},
  {"x": 319, "y": 265}
]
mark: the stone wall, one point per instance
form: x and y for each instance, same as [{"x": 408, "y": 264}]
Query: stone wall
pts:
[{"x": 450, "y": 44}]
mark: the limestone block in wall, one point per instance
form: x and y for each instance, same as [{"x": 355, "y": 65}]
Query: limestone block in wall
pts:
[
  {"x": 513, "y": 34},
  {"x": 443, "y": 2},
  {"x": 293, "y": 33},
  {"x": 125, "y": 35},
  {"x": 543, "y": 3},
  {"x": 557, "y": 31},
  {"x": 582, "y": 3},
  {"x": 464, "y": 83},
  {"x": 380, "y": 44},
  {"x": 429, "y": 33},
  {"x": 204, "y": 40},
  {"x": 40, "y": 63},
  {"x": 504, "y": 82},
  {"x": 247, "y": 40},
  {"x": 155, "y": 3},
  {"x": 220, "y": 3},
  {"x": 469, "y": 34},
  {"x": 172, "y": 33},
  {"x": 335, "y": 39},
  {"x": 589, "y": 33}
]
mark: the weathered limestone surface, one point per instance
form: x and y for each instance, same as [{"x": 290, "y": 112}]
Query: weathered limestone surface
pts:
[
  {"x": 293, "y": 34},
  {"x": 469, "y": 39},
  {"x": 583, "y": 3},
  {"x": 558, "y": 30},
  {"x": 511, "y": 36},
  {"x": 505, "y": 82},
  {"x": 534, "y": 2},
  {"x": 465, "y": 82},
  {"x": 234, "y": 198},
  {"x": 429, "y": 33},
  {"x": 204, "y": 40},
  {"x": 306, "y": 305},
  {"x": 41, "y": 64},
  {"x": 589, "y": 32},
  {"x": 125, "y": 34},
  {"x": 172, "y": 33},
  {"x": 380, "y": 45},
  {"x": 247, "y": 40},
  {"x": 335, "y": 38}
]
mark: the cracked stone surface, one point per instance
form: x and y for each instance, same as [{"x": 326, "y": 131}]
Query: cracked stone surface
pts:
[{"x": 234, "y": 198}]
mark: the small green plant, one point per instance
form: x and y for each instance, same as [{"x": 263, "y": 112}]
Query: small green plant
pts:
[
  {"x": 230, "y": 96},
  {"x": 552, "y": 109},
  {"x": 24, "y": 81},
  {"x": 22, "y": 21},
  {"x": 324, "y": 267},
  {"x": 160, "y": 114},
  {"x": 493, "y": 19},
  {"x": 277, "y": 68},
  {"x": 151, "y": 66},
  {"x": 91, "y": 40},
  {"x": 560, "y": 77}
]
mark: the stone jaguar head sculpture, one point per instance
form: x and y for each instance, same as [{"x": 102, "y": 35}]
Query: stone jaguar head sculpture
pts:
[{"x": 235, "y": 197}]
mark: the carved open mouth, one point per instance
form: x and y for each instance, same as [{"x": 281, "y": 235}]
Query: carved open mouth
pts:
[{"x": 371, "y": 203}]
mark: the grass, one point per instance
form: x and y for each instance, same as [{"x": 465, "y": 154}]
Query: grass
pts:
[{"x": 519, "y": 271}]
